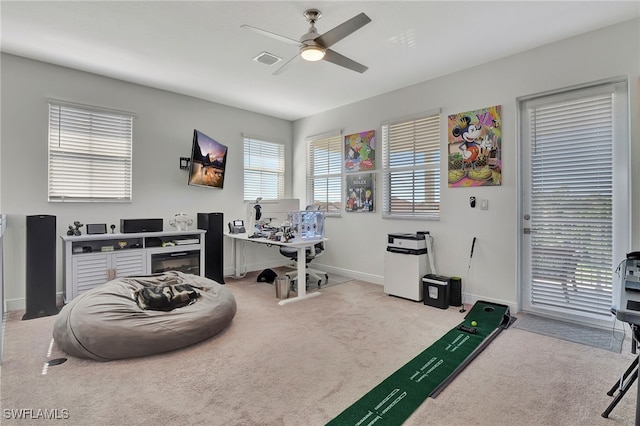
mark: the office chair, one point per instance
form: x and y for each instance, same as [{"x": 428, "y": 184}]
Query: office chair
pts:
[{"x": 313, "y": 275}]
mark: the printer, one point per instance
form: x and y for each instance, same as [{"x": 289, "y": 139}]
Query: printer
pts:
[
  {"x": 628, "y": 308},
  {"x": 407, "y": 243}
]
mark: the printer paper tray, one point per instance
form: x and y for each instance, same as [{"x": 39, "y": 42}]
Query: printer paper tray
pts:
[{"x": 406, "y": 250}]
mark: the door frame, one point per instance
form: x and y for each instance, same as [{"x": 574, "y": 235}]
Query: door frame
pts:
[{"x": 622, "y": 237}]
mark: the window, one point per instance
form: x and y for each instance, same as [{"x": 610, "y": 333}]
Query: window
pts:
[
  {"x": 411, "y": 168},
  {"x": 89, "y": 154},
  {"x": 263, "y": 169},
  {"x": 324, "y": 172}
]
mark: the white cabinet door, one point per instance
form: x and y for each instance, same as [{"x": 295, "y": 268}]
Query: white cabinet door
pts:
[
  {"x": 92, "y": 270},
  {"x": 131, "y": 262}
]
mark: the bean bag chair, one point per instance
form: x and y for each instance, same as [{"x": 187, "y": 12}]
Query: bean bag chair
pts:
[{"x": 143, "y": 315}]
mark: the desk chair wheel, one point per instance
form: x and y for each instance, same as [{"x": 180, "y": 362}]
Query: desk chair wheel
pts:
[
  {"x": 308, "y": 281},
  {"x": 326, "y": 280},
  {"x": 294, "y": 282}
]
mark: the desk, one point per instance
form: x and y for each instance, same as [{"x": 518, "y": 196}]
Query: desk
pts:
[{"x": 302, "y": 267}]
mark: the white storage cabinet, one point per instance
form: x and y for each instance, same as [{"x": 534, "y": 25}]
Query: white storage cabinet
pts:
[{"x": 92, "y": 260}]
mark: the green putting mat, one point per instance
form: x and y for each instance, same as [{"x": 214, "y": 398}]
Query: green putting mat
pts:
[{"x": 399, "y": 395}]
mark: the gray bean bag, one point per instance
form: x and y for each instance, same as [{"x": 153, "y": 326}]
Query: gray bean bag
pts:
[{"x": 106, "y": 323}]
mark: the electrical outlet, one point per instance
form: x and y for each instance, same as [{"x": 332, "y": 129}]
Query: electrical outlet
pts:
[{"x": 484, "y": 204}]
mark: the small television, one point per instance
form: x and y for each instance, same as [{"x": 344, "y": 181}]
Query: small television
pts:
[{"x": 208, "y": 161}]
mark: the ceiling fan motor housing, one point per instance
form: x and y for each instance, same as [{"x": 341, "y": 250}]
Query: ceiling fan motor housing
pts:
[{"x": 311, "y": 50}]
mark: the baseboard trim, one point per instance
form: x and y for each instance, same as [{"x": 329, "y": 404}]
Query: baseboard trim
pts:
[
  {"x": 230, "y": 272},
  {"x": 20, "y": 304},
  {"x": 471, "y": 299},
  {"x": 349, "y": 273},
  {"x": 15, "y": 304}
]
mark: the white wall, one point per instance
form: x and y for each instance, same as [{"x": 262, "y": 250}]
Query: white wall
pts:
[
  {"x": 357, "y": 240},
  {"x": 162, "y": 132}
]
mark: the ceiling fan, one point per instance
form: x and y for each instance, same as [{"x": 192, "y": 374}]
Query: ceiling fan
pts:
[{"x": 315, "y": 47}]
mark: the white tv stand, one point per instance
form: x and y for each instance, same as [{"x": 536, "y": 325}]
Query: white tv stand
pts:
[{"x": 91, "y": 260}]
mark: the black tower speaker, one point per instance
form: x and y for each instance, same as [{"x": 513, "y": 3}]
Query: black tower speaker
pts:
[
  {"x": 213, "y": 245},
  {"x": 41, "y": 267}
]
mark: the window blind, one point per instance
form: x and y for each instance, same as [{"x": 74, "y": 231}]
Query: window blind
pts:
[
  {"x": 89, "y": 154},
  {"x": 263, "y": 170},
  {"x": 411, "y": 168},
  {"x": 324, "y": 173},
  {"x": 572, "y": 204}
]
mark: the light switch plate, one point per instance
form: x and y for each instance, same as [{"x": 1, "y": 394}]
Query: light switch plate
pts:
[{"x": 484, "y": 204}]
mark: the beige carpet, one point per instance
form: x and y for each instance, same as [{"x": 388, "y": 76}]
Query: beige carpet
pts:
[{"x": 305, "y": 362}]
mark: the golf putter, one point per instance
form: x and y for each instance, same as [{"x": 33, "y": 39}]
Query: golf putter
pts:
[{"x": 473, "y": 244}]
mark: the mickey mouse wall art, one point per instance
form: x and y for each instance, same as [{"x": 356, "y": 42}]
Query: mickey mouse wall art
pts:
[{"x": 474, "y": 148}]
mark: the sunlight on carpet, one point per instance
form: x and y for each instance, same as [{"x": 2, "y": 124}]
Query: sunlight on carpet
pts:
[{"x": 577, "y": 333}]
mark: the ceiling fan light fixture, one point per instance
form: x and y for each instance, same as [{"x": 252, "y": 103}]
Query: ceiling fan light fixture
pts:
[{"x": 312, "y": 53}]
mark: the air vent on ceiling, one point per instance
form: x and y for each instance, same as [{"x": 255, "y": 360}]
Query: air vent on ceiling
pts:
[{"x": 267, "y": 58}]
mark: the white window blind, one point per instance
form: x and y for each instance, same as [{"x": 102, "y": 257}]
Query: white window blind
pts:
[
  {"x": 572, "y": 204},
  {"x": 263, "y": 169},
  {"x": 411, "y": 168},
  {"x": 324, "y": 173},
  {"x": 89, "y": 154}
]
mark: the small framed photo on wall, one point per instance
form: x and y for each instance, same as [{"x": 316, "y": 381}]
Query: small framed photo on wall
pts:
[
  {"x": 360, "y": 192},
  {"x": 360, "y": 151}
]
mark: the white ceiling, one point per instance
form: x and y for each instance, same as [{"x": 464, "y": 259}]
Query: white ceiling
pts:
[{"x": 199, "y": 48}]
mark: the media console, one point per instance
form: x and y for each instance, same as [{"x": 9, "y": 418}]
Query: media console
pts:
[{"x": 91, "y": 260}]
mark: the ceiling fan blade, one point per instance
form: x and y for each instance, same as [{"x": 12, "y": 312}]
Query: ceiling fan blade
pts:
[
  {"x": 341, "y": 31},
  {"x": 272, "y": 35},
  {"x": 286, "y": 65},
  {"x": 338, "y": 59}
]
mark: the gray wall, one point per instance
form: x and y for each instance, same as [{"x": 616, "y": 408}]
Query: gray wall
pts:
[
  {"x": 357, "y": 241},
  {"x": 162, "y": 132}
]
